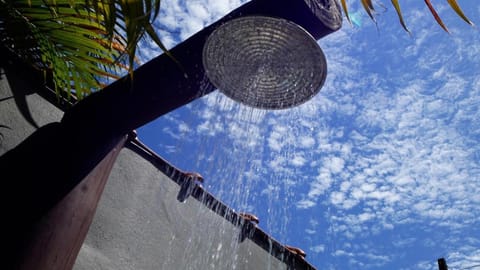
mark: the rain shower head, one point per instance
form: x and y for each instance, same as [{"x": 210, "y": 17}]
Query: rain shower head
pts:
[{"x": 264, "y": 62}]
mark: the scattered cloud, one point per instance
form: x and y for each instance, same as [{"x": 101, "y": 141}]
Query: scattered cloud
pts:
[
  {"x": 318, "y": 249},
  {"x": 390, "y": 143}
]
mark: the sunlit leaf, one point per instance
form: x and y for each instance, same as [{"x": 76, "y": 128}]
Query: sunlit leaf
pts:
[
  {"x": 399, "y": 13},
  {"x": 458, "y": 10},
  {"x": 436, "y": 16},
  {"x": 368, "y": 6},
  {"x": 80, "y": 43},
  {"x": 151, "y": 32},
  {"x": 345, "y": 9}
]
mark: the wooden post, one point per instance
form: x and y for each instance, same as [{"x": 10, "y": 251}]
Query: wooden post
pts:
[{"x": 58, "y": 236}]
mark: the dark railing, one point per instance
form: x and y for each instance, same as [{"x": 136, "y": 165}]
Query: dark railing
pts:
[{"x": 248, "y": 228}]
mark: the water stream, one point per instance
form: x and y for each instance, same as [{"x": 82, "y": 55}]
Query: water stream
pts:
[{"x": 379, "y": 171}]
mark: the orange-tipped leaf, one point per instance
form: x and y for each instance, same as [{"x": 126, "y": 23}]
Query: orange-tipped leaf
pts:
[
  {"x": 458, "y": 10},
  {"x": 367, "y": 5},
  {"x": 345, "y": 9},
  {"x": 436, "y": 16}
]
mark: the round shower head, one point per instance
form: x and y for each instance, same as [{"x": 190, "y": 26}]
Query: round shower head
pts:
[{"x": 264, "y": 62}]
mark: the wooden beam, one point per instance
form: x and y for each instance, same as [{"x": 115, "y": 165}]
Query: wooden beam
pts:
[{"x": 57, "y": 237}]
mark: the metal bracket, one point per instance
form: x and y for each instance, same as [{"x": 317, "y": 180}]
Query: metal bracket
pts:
[
  {"x": 247, "y": 230},
  {"x": 296, "y": 251},
  {"x": 248, "y": 223},
  {"x": 191, "y": 181}
]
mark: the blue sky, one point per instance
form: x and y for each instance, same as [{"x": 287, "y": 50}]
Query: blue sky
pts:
[{"x": 379, "y": 171}]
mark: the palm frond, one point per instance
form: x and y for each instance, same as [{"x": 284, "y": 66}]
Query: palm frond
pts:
[
  {"x": 436, "y": 16},
  {"x": 368, "y": 6},
  {"x": 369, "y": 9},
  {"x": 399, "y": 14},
  {"x": 345, "y": 10},
  {"x": 454, "y": 5},
  {"x": 81, "y": 43}
]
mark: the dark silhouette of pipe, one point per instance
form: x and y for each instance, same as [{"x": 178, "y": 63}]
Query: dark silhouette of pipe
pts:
[
  {"x": 54, "y": 159},
  {"x": 442, "y": 264}
]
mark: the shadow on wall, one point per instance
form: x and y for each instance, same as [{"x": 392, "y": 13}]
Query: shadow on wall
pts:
[
  {"x": 1, "y": 134},
  {"x": 20, "y": 80},
  {"x": 2, "y": 77}
]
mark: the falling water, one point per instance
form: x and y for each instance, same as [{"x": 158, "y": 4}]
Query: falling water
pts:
[
  {"x": 228, "y": 144},
  {"x": 328, "y": 153}
]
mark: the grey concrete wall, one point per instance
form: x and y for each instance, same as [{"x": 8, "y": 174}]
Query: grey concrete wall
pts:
[
  {"x": 17, "y": 128},
  {"x": 139, "y": 224}
]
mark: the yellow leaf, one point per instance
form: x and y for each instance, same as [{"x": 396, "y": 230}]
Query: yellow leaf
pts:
[
  {"x": 458, "y": 10},
  {"x": 368, "y": 6},
  {"x": 345, "y": 9},
  {"x": 399, "y": 13}
]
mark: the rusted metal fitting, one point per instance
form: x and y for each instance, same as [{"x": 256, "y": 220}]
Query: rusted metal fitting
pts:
[
  {"x": 191, "y": 181},
  {"x": 250, "y": 217},
  {"x": 248, "y": 223},
  {"x": 247, "y": 230},
  {"x": 296, "y": 251},
  {"x": 195, "y": 176}
]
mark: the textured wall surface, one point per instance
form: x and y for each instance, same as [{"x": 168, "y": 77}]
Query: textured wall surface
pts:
[
  {"x": 17, "y": 128},
  {"x": 139, "y": 224}
]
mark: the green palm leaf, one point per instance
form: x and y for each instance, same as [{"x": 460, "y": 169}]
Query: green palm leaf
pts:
[
  {"x": 81, "y": 43},
  {"x": 85, "y": 43}
]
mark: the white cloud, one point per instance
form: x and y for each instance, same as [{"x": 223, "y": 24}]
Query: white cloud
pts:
[
  {"x": 270, "y": 190},
  {"x": 318, "y": 249},
  {"x": 381, "y": 147},
  {"x": 305, "y": 204},
  {"x": 199, "y": 11},
  {"x": 184, "y": 128},
  {"x": 466, "y": 256},
  {"x": 298, "y": 161},
  {"x": 334, "y": 164},
  {"x": 321, "y": 183},
  {"x": 275, "y": 141},
  {"x": 337, "y": 198},
  {"x": 179, "y": 20},
  {"x": 363, "y": 217},
  {"x": 306, "y": 142}
]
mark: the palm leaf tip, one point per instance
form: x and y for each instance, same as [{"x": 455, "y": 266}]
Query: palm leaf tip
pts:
[
  {"x": 436, "y": 16},
  {"x": 69, "y": 44},
  {"x": 345, "y": 9},
  {"x": 368, "y": 6},
  {"x": 399, "y": 14},
  {"x": 454, "y": 5}
]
